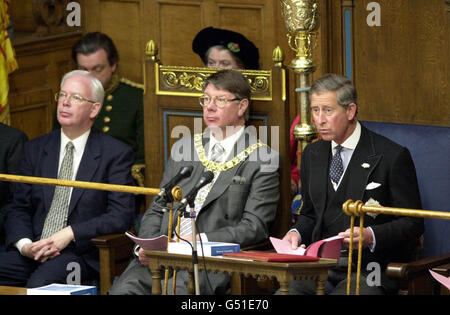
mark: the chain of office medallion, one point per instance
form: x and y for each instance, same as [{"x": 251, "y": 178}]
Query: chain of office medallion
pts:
[{"x": 220, "y": 167}]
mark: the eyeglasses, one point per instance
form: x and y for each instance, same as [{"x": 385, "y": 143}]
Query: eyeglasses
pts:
[
  {"x": 73, "y": 99},
  {"x": 220, "y": 102}
]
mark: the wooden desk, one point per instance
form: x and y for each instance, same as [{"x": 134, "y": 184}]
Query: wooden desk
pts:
[
  {"x": 284, "y": 273},
  {"x": 4, "y": 290},
  {"x": 445, "y": 271}
]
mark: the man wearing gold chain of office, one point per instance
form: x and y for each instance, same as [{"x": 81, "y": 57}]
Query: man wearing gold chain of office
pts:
[{"x": 239, "y": 204}]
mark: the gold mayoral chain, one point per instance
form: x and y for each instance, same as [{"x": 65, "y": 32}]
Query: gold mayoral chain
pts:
[{"x": 220, "y": 167}]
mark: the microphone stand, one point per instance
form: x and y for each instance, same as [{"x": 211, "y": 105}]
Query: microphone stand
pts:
[
  {"x": 192, "y": 215},
  {"x": 174, "y": 195},
  {"x": 194, "y": 251}
]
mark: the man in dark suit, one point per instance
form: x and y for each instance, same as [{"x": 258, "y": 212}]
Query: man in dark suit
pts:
[
  {"x": 351, "y": 162},
  {"x": 11, "y": 148},
  {"x": 241, "y": 202},
  {"x": 48, "y": 229}
]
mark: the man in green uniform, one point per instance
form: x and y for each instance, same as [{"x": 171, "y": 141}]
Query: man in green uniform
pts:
[{"x": 122, "y": 113}]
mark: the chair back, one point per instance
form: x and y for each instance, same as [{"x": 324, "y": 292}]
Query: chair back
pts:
[{"x": 172, "y": 110}]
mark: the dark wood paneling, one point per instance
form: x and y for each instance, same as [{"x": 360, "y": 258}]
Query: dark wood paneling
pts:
[
  {"x": 42, "y": 62},
  {"x": 401, "y": 68}
]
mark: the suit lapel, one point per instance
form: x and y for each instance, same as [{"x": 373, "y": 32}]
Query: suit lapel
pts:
[
  {"x": 363, "y": 162},
  {"x": 88, "y": 166},
  {"x": 319, "y": 176},
  {"x": 50, "y": 166}
]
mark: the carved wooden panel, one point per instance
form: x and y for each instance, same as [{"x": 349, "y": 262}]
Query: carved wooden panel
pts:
[{"x": 125, "y": 22}]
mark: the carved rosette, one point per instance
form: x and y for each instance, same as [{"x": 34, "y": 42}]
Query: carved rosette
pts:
[{"x": 50, "y": 17}]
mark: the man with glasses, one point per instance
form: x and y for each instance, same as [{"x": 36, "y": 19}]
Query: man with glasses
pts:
[
  {"x": 239, "y": 204},
  {"x": 121, "y": 115},
  {"x": 48, "y": 228}
]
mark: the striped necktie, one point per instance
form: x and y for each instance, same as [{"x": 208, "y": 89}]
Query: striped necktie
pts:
[{"x": 57, "y": 215}]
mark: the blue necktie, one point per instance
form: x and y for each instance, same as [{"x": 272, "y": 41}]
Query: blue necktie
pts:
[{"x": 336, "y": 166}]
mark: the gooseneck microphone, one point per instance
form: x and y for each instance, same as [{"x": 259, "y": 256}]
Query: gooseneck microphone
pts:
[
  {"x": 206, "y": 178},
  {"x": 184, "y": 172}
]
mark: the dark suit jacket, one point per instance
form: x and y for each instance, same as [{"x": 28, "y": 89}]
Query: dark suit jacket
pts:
[
  {"x": 11, "y": 148},
  {"x": 91, "y": 212},
  {"x": 389, "y": 165},
  {"x": 238, "y": 211}
]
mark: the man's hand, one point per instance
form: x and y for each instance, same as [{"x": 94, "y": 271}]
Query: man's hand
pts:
[
  {"x": 144, "y": 260},
  {"x": 40, "y": 250},
  {"x": 50, "y": 247},
  {"x": 62, "y": 238},
  {"x": 367, "y": 237},
  {"x": 293, "y": 238}
]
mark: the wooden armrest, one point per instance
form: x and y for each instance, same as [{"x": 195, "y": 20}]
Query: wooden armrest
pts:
[
  {"x": 443, "y": 270},
  {"x": 111, "y": 240},
  {"x": 138, "y": 171},
  {"x": 114, "y": 255},
  {"x": 416, "y": 268}
]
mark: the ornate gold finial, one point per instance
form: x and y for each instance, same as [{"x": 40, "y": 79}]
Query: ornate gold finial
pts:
[
  {"x": 278, "y": 56},
  {"x": 151, "y": 49},
  {"x": 177, "y": 193}
]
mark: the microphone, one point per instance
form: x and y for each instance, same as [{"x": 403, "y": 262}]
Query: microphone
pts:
[
  {"x": 183, "y": 173},
  {"x": 206, "y": 178}
]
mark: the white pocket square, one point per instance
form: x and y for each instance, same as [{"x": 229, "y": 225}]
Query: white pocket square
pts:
[{"x": 372, "y": 185}]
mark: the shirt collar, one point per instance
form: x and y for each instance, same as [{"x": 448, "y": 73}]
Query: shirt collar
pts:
[
  {"x": 227, "y": 143},
  {"x": 78, "y": 143},
  {"x": 352, "y": 141}
]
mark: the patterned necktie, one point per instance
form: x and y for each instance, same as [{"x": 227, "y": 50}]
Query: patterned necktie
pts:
[
  {"x": 336, "y": 166},
  {"x": 217, "y": 152},
  {"x": 57, "y": 215},
  {"x": 185, "y": 223}
]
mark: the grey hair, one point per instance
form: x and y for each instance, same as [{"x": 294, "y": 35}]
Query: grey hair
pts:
[
  {"x": 97, "y": 91},
  {"x": 345, "y": 91}
]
